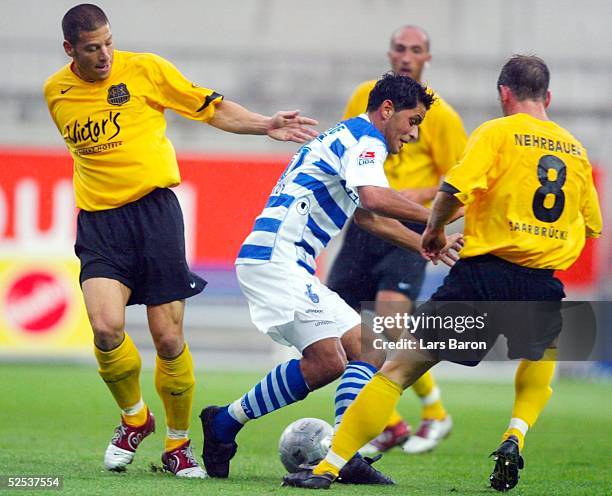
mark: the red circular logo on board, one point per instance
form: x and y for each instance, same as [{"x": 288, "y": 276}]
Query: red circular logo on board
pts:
[{"x": 36, "y": 302}]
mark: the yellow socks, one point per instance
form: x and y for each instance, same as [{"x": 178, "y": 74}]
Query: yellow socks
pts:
[
  {"x": 363, "y": 420},
  {"x": 175, "y": 381},
  {"x": 139, "y": 415},
  {"x": 395, "y": 418},
  {"x": 532, "y": 392},
  {"x": 120, "y": 370},
  {"x": 429, "y": 393},
  {"x": 426, "y": 389}
]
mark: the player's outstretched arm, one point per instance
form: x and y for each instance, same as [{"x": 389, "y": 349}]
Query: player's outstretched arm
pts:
[
  {"x": 395, "y": 232},
  {"x": 283, "y": 126},
  {"x": 390, "y": 203},
  {"x": 420, "y": 195},
  {"x": 388, "y": 229}
]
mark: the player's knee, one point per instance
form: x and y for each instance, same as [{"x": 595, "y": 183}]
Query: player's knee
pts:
[
  {"x": 329, "y": 372},
  {"x": 330, "y": 366},
  {"x": 108, "y": 330},
  {"x": 323, "y": 362},
  {"x": 168, "y": 345},
  {"x": 320, "y": 369}
]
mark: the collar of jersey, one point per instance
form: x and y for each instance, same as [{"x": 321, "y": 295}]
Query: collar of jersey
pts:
[{"x": 375, "y": 132}]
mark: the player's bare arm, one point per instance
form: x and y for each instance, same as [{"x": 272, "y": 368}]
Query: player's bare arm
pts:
[
  {"x": 420, "y": 195},
  {"x": 395, "y": 232},
  {"x": 282, "y": 126},
  {"x": 390, "y": 203},
  {"x": 445, "y": 207}
]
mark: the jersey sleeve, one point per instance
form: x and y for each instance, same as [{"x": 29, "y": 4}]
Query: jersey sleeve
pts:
[
  {"x": 47, "y": 91},
  {"x": 358, "y": 102},
  {"x": 176, "y": 92},
  {"x": 449, "y": 138},
  {"x": 590, "y": 209},
  {"x": 470, "y": 175},
  {"x": 364, "y": 164}
]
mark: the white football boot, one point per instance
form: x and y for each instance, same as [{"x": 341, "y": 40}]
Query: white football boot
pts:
[{"x": 429, "y": 435}]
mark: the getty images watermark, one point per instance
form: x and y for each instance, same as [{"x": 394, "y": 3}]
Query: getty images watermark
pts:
[
  {"x": 412, "y": 324},
  {"x": 471, "y": 331}
]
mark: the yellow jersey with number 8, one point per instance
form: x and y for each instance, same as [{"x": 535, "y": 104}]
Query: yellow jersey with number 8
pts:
[{"x": 529, "y": 192}]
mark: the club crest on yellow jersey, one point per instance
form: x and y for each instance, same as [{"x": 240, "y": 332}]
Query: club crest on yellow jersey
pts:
[{"x": 118, "y": 94}]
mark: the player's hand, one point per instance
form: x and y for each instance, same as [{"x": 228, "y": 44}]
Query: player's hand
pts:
[
  {"x": 289, "y": 125},
  {"x": 450, "y": 253},
  {"x": 432, "y": 243}
]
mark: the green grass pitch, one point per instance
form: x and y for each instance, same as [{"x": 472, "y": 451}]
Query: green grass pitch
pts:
[{"x": 58, "y": 419}]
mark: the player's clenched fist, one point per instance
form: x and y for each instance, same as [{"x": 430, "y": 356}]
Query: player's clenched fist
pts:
[
  {"x": 442, "y": 249},
  {"x": 432, "y": 243}
]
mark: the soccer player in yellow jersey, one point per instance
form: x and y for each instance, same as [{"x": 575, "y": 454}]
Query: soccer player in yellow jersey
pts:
[
  {"x": 109, "y": 107},
  {"x": 530, "y": 203},
  {"x": 395, "y": 277}
]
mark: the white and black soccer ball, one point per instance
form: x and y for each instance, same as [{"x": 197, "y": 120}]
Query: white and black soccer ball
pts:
[{"x": 304, "y": 443}]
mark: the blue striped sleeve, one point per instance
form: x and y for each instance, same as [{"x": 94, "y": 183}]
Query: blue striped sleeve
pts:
[
  {"x": 338, "y": 148},
  {"x": 267, "y": 224},
  {"x": 255, "y": 252},
  {"x": 282, "y": 200}
]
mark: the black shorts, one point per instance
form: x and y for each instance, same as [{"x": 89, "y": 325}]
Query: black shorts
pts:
[
  {"x": 367, "y": 264},
  {"x": 141, "y": 245},
  {"x": 523, "y": 304}
]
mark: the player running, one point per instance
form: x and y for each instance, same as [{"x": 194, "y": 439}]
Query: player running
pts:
[
  {"x": 530, "y": 198},
  {"x": 397, "y": 276},
  {"x": 109, "y": 105},
  {"x": 329, "y": 179}
]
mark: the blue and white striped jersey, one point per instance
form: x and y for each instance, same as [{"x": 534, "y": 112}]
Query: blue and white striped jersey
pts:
[{"x": 317, "y": 194}]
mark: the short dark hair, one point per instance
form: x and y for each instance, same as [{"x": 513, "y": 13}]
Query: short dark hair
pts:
[
  {"x": 404, "y": 93},
  {"x": 527, "y": 76},
  {"x": 83, "y": 17}
]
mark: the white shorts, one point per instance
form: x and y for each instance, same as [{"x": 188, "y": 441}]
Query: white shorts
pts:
[{"x": 293, "y": 307}]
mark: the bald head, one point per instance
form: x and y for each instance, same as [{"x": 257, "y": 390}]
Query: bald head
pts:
[
  {"x": 409, "y": 51},
  {"x": 412, "y": 29}
]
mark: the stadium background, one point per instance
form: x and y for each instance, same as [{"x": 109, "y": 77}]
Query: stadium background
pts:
[{"x": 269, "y": 55}]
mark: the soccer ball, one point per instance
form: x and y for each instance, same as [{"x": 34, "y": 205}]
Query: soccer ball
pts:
[{"x": 304, "y": 443}]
